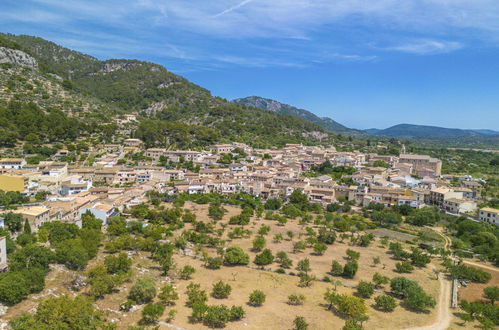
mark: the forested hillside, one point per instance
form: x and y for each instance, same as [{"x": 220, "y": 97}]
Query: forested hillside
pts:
[{"x": 172, "y": 109}]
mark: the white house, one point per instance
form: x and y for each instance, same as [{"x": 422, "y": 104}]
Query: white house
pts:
[
  {"x": 101, "y": 211},
  {"x": 12, "y": 163},
  {"x": 490, "y": 215}
]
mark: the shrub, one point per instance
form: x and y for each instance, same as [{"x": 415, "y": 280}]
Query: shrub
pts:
[
  {"x": 195, "y": 294},
  {"x": 320, "y": 248},
  {"x": 418, "y": 300},
  {"x": 235, "y": 255},
  {"x": 470, "y": 273},
  {"x": 214, "y": 262},
  {"x": 264, "y": 258},
  {"x": 353, "y": 255},
  {"x": 120, "y": 264},
  {"x": 283, "y": 259},
  {"x": 221, "y": 290},
  {"x": 152, "y": 312},
  {"x": 186, "y": 272},
  {"x": 296, "y": 299},
  {"x": 336, "y": 268},
  {"x": 216, "y": 316},
  {"x": 300, "y": 323},
  {"x": 365, "y": 289},
  {"x": 258, "y": 243},
  {"x": 305, "y": 279},
  {"x": 350, "y": 269},
  {"x": 304, "y": 265},
  {"x": 400, "y": 285},
  {"x": 143, "y": 291},
  {"x": 257, "y": 298},
  {"x": 168, "y": 295},
  {"x": 379, "y": 280},
  {"x": 404, "y": 267},
  {"x": 491, "y": 293},
  {"x": 385, "y": 303},
  {"x": 236, "y": 313}
]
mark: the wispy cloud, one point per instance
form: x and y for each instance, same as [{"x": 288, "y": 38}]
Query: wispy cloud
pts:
[
  {"x": 425, "y": 47},
  {"x": 232, "y": 32},
  {"x": 230, "y": 9}
]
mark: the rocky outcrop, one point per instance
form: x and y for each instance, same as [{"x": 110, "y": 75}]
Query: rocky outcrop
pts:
[
  {"x": 114, "y": 66},
  {"x": 17, "y": 57}
]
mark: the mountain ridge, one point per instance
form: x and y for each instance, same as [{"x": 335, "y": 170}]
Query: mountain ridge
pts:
[
  {"x": 282, "y": 108},
  {"x": 428, "y": 131}
]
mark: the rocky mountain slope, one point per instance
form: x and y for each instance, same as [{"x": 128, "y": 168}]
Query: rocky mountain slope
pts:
[
  {"x": 278, "y": 107},
  {"x": 173, "y": 111}
]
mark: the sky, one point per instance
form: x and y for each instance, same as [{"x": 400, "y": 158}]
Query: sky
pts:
[{"x": 363, "y": 63}]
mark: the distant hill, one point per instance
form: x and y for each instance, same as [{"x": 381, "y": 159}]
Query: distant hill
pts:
[
  {"x": 421, "y": 131},
  {"x": 286, "y": 109}
]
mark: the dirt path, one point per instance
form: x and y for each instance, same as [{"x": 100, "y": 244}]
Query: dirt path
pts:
[
  {"x": 444, "y": 316},
  {"x": 492, "y": 268}
]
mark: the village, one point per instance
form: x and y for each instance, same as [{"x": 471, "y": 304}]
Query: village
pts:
[{"x": 110, "y": 184}]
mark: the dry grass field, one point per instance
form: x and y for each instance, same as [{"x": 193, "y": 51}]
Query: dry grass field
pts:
[{"x": 275, "y": 312}]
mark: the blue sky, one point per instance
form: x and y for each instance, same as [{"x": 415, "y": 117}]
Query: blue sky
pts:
[{"x": 364, "y": 63}]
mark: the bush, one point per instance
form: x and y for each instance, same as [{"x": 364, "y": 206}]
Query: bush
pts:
[
  {"x": 300, "y": 323},
  {"x": 264, "y": 258},
  {"x": 186, "y": 272},
  {"x": 143, "y": 291},
  {"x": 258, "y": 243},
  {"x": 221, "y": 290},
  {"x": 214, "y": 262},
  {"x": 195, "y": 295},
  {"x": 152, "y": 312},
  {"x": 120, "y": 264},
  {"x": 353, "y": 255},
  {"x": 350, "y": 269},
  {"x": 296, "y": 299},
  {"x": 283, "y": 259},
  {"x": 379, "y": 280},
  {"x": 217, "y": 316},
  {"x": 273, "y": 204},
  {"x": 385, "y": 303},
  {"x": 418, "y": 300},
  {"x": 404, "y": 267},
  {"x": 336, "y": 268},
  {"x": 257, "y": 298},
  {"x": 400, "y": 285},
  {"x": 168, "y": 295},
  {"x": 320, "y": 248},
  {"x": 236, "y": 313},
  {"x": 491, "y": 293},
  {"x": 470, "y": 273},
  {"x": 13, "y": 288},
  {"x": 235, "y": 255},
  {"x": 365, "y": 289}
]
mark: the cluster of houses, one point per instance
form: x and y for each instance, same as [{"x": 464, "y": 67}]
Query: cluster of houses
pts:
[{"x": 109, "y": 185}]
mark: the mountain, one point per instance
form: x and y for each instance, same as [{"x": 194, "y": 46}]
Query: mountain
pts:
[
  {"x": 421, "y": 131},
  {"x": 172, "y": 111},
  {"x": 278, "y": 107}
]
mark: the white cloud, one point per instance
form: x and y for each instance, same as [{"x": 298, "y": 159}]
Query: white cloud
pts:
[
  {"x": 424, "y": 47},
  {"x": 262, "y": 32}
]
